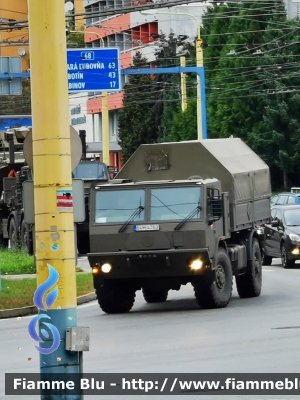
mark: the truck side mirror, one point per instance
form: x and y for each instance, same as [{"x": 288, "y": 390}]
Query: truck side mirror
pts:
[
  {"x": 210, "y": 221},
  {"x": 275, "y": 223}
]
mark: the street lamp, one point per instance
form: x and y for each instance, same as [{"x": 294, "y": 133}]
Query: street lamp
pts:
[
  {"x": 105, "y": 112},
  {"x": 199, "y": 63}
]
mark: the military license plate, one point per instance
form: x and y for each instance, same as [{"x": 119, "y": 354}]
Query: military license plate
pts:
[{"x": 139, "y": 228}]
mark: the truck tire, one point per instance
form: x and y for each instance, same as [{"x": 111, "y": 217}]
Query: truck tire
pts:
[
  {"x": 83, "y": 243},
  {"x": 286, "y": 262},
  {"x": 249, "y": 284},
  {"x": 114, "y": 298},
  {"x": 215, "y": 293},
  {"x": 154, "y": 296},
  {"x": 266, "y": 260},
  {"x": 26, "y": 238},
  {"x": 13, "y": 235}
]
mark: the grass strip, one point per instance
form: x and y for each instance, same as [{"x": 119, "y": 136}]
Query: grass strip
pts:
[
  {"x": 16, "y": 262},
  {"x": 17, "y": 293}
]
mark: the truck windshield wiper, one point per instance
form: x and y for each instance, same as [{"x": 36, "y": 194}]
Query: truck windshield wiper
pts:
[
  {"x": 135, "y": 214},
  {"x": 190, "y": 216}
]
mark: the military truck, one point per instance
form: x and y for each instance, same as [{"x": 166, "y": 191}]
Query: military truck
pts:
[
  {"x": 13, "y": 228},
  {"x": 90, "y": 171},
  {"x": 13, "y": 171},
  {"x": 180, "y": 213}
]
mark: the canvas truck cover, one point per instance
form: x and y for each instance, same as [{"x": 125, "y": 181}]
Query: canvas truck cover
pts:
[{"x": 241, "y": 171}]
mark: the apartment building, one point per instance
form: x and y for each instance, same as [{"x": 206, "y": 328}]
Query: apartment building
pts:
[
  {"x": 14, "y": 35},
  {"x": 14, "y": 42},
  {"x": 130, "y": 32}
]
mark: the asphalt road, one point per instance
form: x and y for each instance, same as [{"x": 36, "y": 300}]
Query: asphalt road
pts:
[{"x": 178, "y": 337}]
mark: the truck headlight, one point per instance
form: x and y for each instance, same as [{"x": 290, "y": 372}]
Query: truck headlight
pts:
[
  {"x": 294, "y": 238},
  {"x": 195, "y": 265},
  {"x": 106, "y": 268}
]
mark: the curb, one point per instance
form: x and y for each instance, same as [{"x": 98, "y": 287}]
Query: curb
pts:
[{"x": 31, "y": 310}]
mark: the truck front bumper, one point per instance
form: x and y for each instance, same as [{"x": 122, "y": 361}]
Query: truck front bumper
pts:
[{"x": 143, "y": 264}]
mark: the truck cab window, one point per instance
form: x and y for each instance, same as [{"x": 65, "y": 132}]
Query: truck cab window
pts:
[
  {"x": 117, "y": 206},
  {"x": 169, "y": 204},
  {"x": 91, "y": 170}
]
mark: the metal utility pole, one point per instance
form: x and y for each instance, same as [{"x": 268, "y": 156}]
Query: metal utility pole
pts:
[
  {"x": 183, "y": 85},
  {"x": 199, "y": 63},
  {"x": 105, "y": 129},
  {"x": 54, "y": 220}
]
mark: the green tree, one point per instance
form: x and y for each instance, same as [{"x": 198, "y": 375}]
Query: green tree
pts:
[
  {"x": 137, "y": 117},
  {"x": 277, "y": 139},
  {"x": 232, "y": 109},
  {"x": 75, "y": 39},
  {"x": 184, "y": 124},
  {"x": 167, "y": 84},
  {"x": 171, "y": 47},
  {"x": 251, "y": 82}
]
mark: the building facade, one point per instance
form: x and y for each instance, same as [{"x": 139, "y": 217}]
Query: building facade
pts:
[
  {"x": 131, "y": 32},
  {"x": 293, "y": 8},
  {"x": 13, "y": 37}
]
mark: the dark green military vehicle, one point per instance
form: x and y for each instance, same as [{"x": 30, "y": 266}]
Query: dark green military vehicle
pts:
[{"x": 180, "y": 213}]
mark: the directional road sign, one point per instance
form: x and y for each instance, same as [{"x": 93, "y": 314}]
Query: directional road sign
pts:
[{"x": 93, "y": 70}]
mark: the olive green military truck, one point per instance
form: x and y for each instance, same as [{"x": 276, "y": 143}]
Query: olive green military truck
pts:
[{"x": 180, "y": 213}]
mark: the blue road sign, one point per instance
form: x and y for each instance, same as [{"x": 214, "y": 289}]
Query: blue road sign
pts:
[{"x": 93, "y": 70}]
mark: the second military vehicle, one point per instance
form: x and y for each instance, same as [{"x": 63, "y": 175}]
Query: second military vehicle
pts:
[
  {"x": 14, "y": 171},
  {"x": 180, "y": 213}
]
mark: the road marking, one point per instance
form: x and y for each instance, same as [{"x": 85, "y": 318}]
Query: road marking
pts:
[
  {"x": 13, "y": 319},
  {"x": 268, "y": 270},
  {"x": 92, "y": 303}
]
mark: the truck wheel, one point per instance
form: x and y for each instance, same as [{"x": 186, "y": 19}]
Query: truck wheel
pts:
[
  {"x": 114, "y": 298},
  {"x": 286, "y": 262},
  {"x": 215, "y": 294},
  {"x": 26, "y": 239},
  {"x": 266, "y": 260},
  {"x": 249, "y": 284},
  {"x": 83, "y": 243},
  {"x": 152, "y": 296},
  {"x": 13, "y": 235}
]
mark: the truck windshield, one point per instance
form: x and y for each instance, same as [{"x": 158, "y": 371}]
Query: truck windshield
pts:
[
  {"x": 91, "y": 170},
  {"x": 174, "y": 203},
  {"x": 119, "y": 205}
]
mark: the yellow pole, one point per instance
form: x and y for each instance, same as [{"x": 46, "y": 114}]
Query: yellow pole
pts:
[
  {"x": 105, "y": 129},
  {"x": 199, "y": 63},
  {"x": 183, "y": 86},
  {"x": 54, "y": 224}
]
